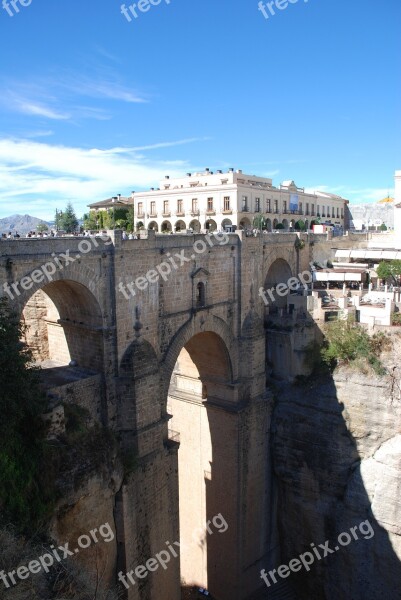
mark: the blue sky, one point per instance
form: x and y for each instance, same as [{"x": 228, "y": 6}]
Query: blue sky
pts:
[{"x": 93, "y": 105}]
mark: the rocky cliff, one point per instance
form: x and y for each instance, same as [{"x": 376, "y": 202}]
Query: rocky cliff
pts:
[{"x": 337, "y": 464}]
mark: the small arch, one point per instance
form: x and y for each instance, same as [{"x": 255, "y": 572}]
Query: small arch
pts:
[
  {"x": 245, "y": 223},
  {"x": 285, "y": 224},
  {"x": 226, "y": 223},
  {"x": 139, "y": 225},
  {"x": 195, "y": 226},
  {"x": 166, "y": 226},
  {"x": 268, "y": 224},
  {"x": 211, "y": 225},
  {"x": 180, "y": 226},
  {"x": 275, "y": 223},
  {"x": 153, "y": 225}
]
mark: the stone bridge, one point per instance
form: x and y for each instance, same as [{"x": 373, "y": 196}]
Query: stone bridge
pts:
[{"x": 170, "y": 332}]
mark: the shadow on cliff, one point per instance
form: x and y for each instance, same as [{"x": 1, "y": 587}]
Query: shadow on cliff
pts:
[{"x": 335, "y": 467}]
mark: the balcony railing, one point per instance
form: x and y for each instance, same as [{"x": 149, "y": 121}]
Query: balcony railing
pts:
[
  {"x": 195, "y": 213},
  {"x": 227, "y": 211},
  {"x": 180, "y": 213},
  {"x": 166, "y": 214},
  {"x": 153, "y": 215},
  {"x": 141, "y": 215},
  {"x": 210, "y": 211}
]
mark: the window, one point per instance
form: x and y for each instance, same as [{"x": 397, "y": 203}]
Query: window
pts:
[
  {"x": 200, "y": 294},
  {"x": 257, "y": 204},
  {"x": 179, "y": 206},
  {"x": 328, "y": 211},
  {"x": 342, "y": 213},
  {"x": 268, "y": 205},
  {"x": 210, "y": 204},
  {"x": 338, "y": 212},
  {"x": 245, "y": 203},
  {"x": 276, "y": 206},
  {"x": 313, "y": 210},
  {"x": 226, "y": 202},
  {"x": 285, "y": 206},
  {"x": 153, "y": 207},
  {"x": 300, "y": 208},
  {"x": 140, "y": 208},
  {"x": 165, "y": 207},
  {"x": 318, "y": 210},
  {"x": 332, "y": 212},
  {"x": 307, "y": 208},
  {"x": 194, "y": 205}
]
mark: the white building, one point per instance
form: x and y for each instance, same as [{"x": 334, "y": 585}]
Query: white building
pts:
[
  {"x": 397, "y": 211},
  {"x": 210, "y": 201}
]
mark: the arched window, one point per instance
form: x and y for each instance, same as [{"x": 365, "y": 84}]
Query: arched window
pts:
[{"x": 200, "y": 294}]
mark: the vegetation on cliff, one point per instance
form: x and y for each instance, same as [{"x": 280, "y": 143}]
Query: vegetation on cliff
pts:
[
  {"x": 22, "y": 431},
  {"x": 347, "y": 342}
]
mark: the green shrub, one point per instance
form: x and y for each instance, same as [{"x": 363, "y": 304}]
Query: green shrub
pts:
[{"x": 347, "y": 342}]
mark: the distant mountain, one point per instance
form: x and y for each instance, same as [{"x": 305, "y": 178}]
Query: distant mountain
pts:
[{"x": 19, "y": 223}]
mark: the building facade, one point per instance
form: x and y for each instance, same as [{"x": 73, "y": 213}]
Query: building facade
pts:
[
  {"x": 397, "y": 210},
  {"x": 217, "y": 201}
]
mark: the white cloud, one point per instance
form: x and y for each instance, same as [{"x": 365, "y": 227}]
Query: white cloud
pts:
[{"x": 37, "y": 178}]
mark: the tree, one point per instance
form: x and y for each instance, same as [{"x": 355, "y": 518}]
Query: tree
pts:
[
  {"x": 259, "y": 222},
  {"x": 389, "y": 270},
  {"x": 42, "y": 227},
  {"x": 90, "y": 220},
  {"x": 21, "y": 427},
  {"x": 383, "y": 227},
  {"x": 280, "y": 226},
  {"x": 300, "y": 225},
  {"x": 68, "y": 221}
]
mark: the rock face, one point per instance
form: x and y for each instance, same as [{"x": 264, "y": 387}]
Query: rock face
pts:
[{"x": 337, "y": 462}]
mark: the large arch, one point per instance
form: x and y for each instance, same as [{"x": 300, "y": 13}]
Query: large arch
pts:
[
  {"x": 285, "y": 224},
  {"x": 202, "y": 380},
  {"x": 279, "y": 272},
  {"x": 64, "y": 324},
  {"x": 268, "y": 224}
]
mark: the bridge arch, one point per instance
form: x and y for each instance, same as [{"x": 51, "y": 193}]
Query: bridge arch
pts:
[
  {"x": 64, "y": 323},
  {"x": 278, "y": 272},
  {"x": 200, "y": 373}
]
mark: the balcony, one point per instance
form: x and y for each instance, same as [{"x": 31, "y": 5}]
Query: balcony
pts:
[
  {"x": 210, "y": 211},
  {"x": 141, "y": 215},
  {"x": 153, "y": 215},
  {"x": 318, "y": 214},
  {"x": 245, "y": 209},
  {"x": 166, "y": 214},
  {"x": 227, "y": 211},
  {"x": 268, "y": 210},
  {"x": 195, "y": 213},
  {"x": 180, "y": 213}
]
